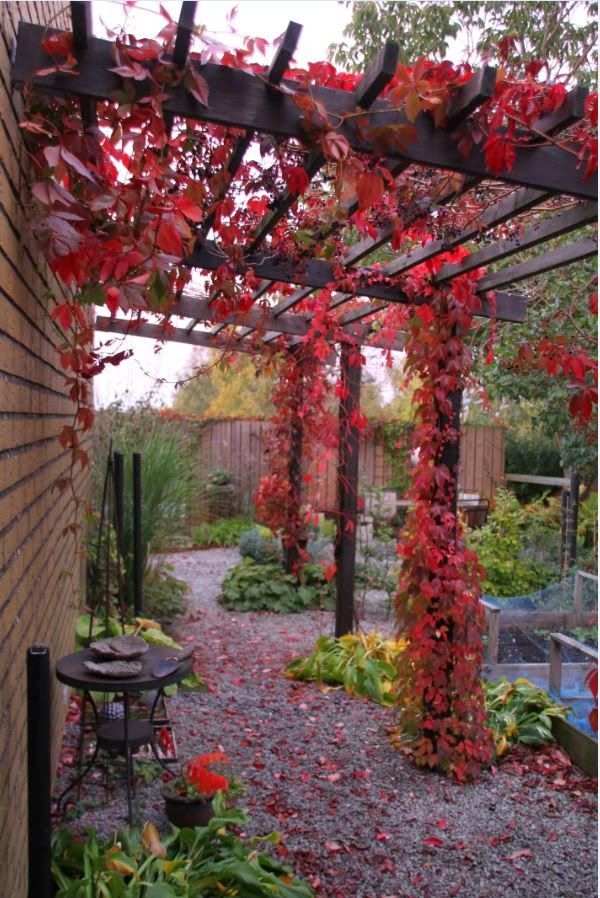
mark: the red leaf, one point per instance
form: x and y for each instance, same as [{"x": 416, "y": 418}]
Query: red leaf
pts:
[
  {"x": 189, "y": 209},
  {"x": 369, "y": 189},
  {"x": 526, "y": 853},
  {"x": 433, "y": 841},
  {"x": 198, "y": 87},
  {"x": 63, "y": 314},
  {"x": 330, "y": 572},
  {"x": 297, "y": 180},
  {"x": 77, "y": 164},
  {"x": 168, "y": 239},
  {"x": 335, "y": 146},
  {"x": 60, "y": 44}
]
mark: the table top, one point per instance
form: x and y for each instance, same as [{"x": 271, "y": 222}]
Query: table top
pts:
[{"x": 70, "y": 670}]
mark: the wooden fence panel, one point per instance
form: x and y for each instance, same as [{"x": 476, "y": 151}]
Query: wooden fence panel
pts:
[{"x": 238, "y": 445}]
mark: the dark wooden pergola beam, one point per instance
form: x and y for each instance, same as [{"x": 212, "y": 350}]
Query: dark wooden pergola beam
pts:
[
  {"x": 81, "y": 19},
  {"x": 497, "y": 213},
  {"x": 317, "y": 273},
  {"x": 241, "y": 100},
  {"x": 107, "y": 325}
]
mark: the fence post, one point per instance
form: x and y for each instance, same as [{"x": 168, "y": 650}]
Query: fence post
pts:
[
  {"x": 492, "y": 615},
  {"x": 555, "y": 670},
  {"x": 573, "y": 519},
  {"x": 578, "y": 599}
]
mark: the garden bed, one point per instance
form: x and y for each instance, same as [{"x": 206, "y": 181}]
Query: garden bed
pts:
[{"x": 357, "y": 819}]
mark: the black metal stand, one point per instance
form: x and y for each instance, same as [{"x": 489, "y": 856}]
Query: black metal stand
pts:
[{"x": 138, "y": 561}]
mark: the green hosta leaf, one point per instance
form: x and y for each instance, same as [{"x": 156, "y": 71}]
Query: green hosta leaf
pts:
[{"x": 161, "y": 890}]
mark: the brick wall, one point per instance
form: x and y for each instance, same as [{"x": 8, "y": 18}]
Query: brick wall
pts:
[{"x": 40, "y": 569}]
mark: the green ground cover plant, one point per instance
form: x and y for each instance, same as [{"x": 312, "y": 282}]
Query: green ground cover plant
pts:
[
  {"x": 208, "y": 861},
  {"x": 363, "y": 663},
  {"x": 367, "y": 664},
  {"x": 260, "y": 545},
  {"x": 222, "y": 532},
  {"x": 250, "y": 586}
]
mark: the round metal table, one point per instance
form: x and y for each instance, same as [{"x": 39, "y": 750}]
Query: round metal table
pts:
[{"x": 120, "y": 735}]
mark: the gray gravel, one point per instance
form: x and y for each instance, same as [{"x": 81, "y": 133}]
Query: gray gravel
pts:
[{"x": 357, "y": 819}]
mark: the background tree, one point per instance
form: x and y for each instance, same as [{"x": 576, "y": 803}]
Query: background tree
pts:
[
  {"x": 223, "y": 389},
  {"x": 562, "y": 33},
  {"x": 531, "y": 401}
]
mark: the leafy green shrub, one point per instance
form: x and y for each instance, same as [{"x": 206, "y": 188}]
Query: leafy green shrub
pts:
[
  {"x": 531, "y": 453},
  {"x": 500, "y": 545},
  {"x": 210, "y": 861},
  {"x": 260, "y": 545},
  {"x": 164, "y": 594},
  {"x": 520, "y": 712},
  {"x": 223, "y": 532},
  {"x": 250, "y": 586},
  {"x": 363, "y": 663}
]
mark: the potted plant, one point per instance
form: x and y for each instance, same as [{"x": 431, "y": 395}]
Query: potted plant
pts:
[{"x": 188, "y": 797}]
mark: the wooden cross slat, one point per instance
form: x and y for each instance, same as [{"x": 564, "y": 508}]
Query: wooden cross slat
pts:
[
  {"x": 553, "y": 259},
  {"x": 553, "y": 226}
]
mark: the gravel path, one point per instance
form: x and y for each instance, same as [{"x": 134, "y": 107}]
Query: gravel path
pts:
[{"x": 357, "y": 819}]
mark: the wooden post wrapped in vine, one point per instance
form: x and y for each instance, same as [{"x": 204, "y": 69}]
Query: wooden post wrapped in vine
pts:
[
  {"x": 294, "y": 540},
  {"x": 442, "y": 710},
  {"x": 345, "y": 551}
]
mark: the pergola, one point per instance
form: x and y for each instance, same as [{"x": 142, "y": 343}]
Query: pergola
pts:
[{"x": 543, "y": 197}]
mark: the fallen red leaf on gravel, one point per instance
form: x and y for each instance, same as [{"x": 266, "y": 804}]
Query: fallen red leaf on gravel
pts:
[
  {"x": 433, "y": 841},
  {"x": 525, "y": 853}
]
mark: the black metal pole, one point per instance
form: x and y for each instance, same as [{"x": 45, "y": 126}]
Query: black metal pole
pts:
[
  {"x": 573, "y": 519},
  {"x": 38, "y": 771},
  {"x": 345, "y": 549},
  {"x": 564, "y": 522},
  {"x": 138, "y": 561},
  {"x": 118, "y": 481}
]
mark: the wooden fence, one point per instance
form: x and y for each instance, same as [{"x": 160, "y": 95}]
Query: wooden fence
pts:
[{"x": 237, "y": 445}]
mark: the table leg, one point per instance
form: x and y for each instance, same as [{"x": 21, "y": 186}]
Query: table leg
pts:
[
  {"x": 128, "y": 760},
  {"x": 82, "y": 773},
  {"x": 162, "y": 763}
]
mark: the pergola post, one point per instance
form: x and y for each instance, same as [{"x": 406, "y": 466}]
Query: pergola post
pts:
[
  {"x": 345, "y": 550},
  {"x": 450, "y": 456},
  {"x": 292, "y": 551}
]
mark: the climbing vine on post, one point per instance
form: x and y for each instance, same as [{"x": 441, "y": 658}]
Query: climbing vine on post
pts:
[{"x": 437, "y": 604}]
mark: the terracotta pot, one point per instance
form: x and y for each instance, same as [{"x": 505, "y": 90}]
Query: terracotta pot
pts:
[{"x": 183, "y": 810}]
